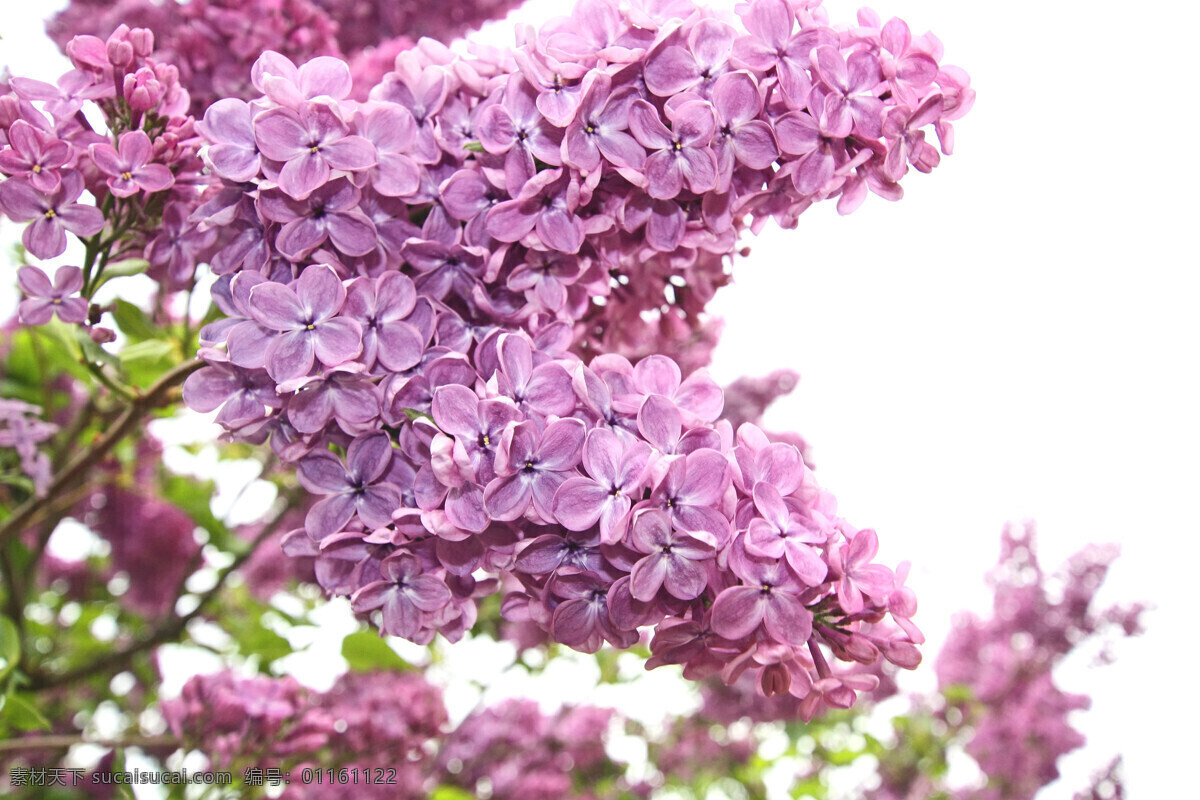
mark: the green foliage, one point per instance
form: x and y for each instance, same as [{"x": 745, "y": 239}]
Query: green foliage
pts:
[
  {"x": 367, "y": 652},
  {"x": 20, "y": 713},
  {"x": 10, "y": 646}
]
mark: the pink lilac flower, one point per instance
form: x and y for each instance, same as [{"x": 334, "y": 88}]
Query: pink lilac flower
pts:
[
  {"x": 53, "y": 214},
  {"x": 44, "y": 300},
  {"x": 34, "y": 155},
  {"x": 129, "y": 167},
  {"x": 311, "y": 143}
]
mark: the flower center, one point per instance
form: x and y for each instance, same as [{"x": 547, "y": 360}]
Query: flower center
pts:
[{"x": 127, "y": 175}]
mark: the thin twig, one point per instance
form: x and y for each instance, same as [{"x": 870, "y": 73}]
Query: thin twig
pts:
[
  {"x": 167, "y": 631},
  {"x": 63, "y": 741},
  {"x": 138, "y": 407}
]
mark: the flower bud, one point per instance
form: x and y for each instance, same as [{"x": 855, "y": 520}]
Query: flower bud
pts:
[
  {"x": 142, "y": 90},
  {"x": 102, "y": 335},
  {"x": 120, "y": 53},
  {"x": 142, "y": 40}
]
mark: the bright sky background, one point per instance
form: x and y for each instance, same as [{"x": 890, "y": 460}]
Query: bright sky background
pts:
[{"x": 1014, "y": 340}]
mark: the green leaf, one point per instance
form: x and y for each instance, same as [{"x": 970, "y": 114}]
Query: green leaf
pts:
[
  {"x": 367, "y": 652},
  {"x": 23, "y": 715},
  {"x": 134, "y": 323},
  {"x": 123, "y": 269},
  {"x": 255, "y": 639},
  {"x": 150, "y": 350},
  {"x": 10, "y": 646},
  {"x": 415, "y": 415},
  {"x": 194, "y": 497},
  {"x": 474, "y": 147},
  {"x": 144, "y": 362},
  {"x": 451, "y": 793}
]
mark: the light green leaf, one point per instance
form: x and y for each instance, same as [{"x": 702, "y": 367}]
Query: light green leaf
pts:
[
  {"x": 367, "y": 652},
  {"x": 134, "y": 323},
  {"x": 23, "y": 715},
  {"x": 10, "y": 646},
  {"x": 147, "y": 351}
]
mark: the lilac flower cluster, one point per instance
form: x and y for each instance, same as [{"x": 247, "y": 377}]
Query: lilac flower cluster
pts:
[
  {"x": 213, "y": 43},
  {"x": 597, "y": 174},
  {"x": 408, "y": 282},
  {"x": 145, "y": 175},
  {"x": 21, "y": 430},
  {"x": 1017, "y": 713},
  {"x": 394, "y": 722}
]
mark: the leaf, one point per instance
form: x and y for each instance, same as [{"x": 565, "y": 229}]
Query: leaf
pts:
[
  {"x": 254, "y": 639},
  {"x": 93, "y": 352},
  {"x": 150, "y": 350},
  {"x": 194, "y": 497},
  {"x": 134, "y": 323},
  {"x": 367, "y": 652},
  {"x": 10, "y": 646},
  {"x": 123, "y": 269},
  {"x": 23, "y": 715},
  {"x": 144, "y": 362},
  {"x": 451, "y": 793}
]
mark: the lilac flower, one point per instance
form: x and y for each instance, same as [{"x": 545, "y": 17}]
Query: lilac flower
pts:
[
  {"x": 772, "y": 45},
  {"x": 673, "y": 69},
  {"x": 781, "y": 533},
  {"x": 599, "y": 129},
  {"x": 545, "y": 388},
  {"x": 515, "y": 129},
  {"x": 531, "y": 465},
  {"x": 129, "y": 167},
  {"x": 768, "y": 598},
  {"x": 356, "y": 489},
  {"x": 407, "y": 595},
  {"x": 679, "y": 156},
  {"x": 618, "y": 471},
  {"x": 44, "y": 300},
  {"x": 242, "y": 395},
  {"x": 306, "y": 318},
  {"x": 444, "y": 267},
  {"x": 53, "y": 213},
  {"x": 852, "y": 104},
  {"x": 741, "y": 136},
  {"x": 673, "y": 559},
  {"x": 380, "y": 306},
  {"x": 329, "y": 213},
  {"x": 391, "y": 130},
  {"x": 475, "y": 424},
  {"x": 546, "y": 204},
  {"x": 312, "y": 143},
  {"x": 34, "y": 155},
  {"x": 342, "y": 395},
  {"x": 233, "y": 153},
  {"x": 857, "y": 575},
  {"x": 544, "y": 278},
  {"x": 582, "y": 620},
  {"x": 691, "y": 491}
]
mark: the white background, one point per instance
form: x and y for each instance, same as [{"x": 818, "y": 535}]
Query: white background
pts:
[{"x": 1014, "y": 340}]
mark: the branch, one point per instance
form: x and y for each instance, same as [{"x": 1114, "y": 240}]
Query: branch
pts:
[
  {"x": 166, "y": 631},
  {"x": 157, "y": 395},
  {"x": 63, "y": 741}
]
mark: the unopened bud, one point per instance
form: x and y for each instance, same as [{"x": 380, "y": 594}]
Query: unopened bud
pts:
[
  {"x": 102, "y": 335},
  {"x": 120, "y": 53},
  {"x": 142, "y": 40}
]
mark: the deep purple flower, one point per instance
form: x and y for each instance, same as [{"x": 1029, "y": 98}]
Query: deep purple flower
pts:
[
  {"x": 582, "y": 621},
  {"x": 129, "y": 167},
  {"x": 45, "y": 300},
  {"x": 52, "y": 213},
  {"x": 305, "y": 316},
  {"x": 311, "y": 142},
  {"x": 356, "y": 489}
]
